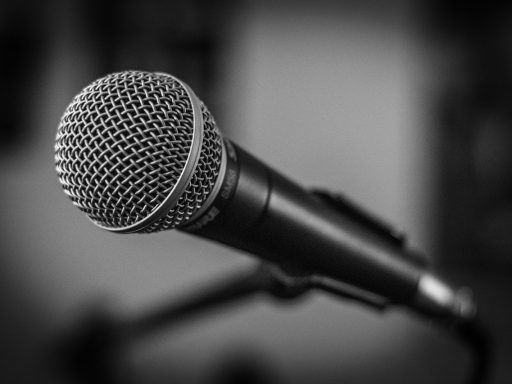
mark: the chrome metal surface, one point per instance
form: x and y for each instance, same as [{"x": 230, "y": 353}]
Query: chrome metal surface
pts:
[
  {"x": 436, "y": 298},
  {"x": 138, "y": 152}
]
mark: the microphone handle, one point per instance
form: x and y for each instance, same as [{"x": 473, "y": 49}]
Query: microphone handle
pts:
[{"x": 260, "y": 211}]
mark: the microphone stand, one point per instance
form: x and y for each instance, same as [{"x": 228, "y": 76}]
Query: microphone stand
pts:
[{"x": 94, "y": 353}]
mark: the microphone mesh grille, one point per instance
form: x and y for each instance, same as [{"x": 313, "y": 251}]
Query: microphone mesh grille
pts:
[
  {"x": 122, "y": 145},
  {"x": 203, "y": 179}
]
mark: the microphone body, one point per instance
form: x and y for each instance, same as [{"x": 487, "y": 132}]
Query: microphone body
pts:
[{"x": 262, "y": 212}]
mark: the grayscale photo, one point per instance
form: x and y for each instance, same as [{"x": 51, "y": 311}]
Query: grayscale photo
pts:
[{"x": 256, "y": 192}]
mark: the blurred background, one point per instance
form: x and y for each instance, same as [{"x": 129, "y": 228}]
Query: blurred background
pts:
[{"x": 402, "y": 105}]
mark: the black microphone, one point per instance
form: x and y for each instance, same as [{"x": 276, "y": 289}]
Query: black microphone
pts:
[{"x": 138, "y": 152}]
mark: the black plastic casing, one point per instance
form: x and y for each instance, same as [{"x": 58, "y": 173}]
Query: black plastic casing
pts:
[{"x": 259, "y": 211}]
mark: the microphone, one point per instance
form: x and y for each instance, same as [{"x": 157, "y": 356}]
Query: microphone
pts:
[{"x": 139, "y": 152}]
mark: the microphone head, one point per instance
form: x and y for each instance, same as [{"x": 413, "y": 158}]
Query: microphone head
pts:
[{"x": 139, "y": 152}]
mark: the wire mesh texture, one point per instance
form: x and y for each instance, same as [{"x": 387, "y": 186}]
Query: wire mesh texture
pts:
[{"x": 123, "y": 145}]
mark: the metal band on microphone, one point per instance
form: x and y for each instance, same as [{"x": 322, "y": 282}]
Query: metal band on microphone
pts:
[{"x": 222, "y": 194}]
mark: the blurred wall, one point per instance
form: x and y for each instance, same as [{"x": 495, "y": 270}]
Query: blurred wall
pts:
[{"x": 328, "y": 93}]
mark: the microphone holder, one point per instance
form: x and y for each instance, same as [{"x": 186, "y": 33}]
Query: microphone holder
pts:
[
  {"x": 95, "y": 351},
  {"x": 278, "y": 282}
]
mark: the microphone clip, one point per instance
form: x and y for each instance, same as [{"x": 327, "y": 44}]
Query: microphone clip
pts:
[{"x": 285, "y": 282}]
